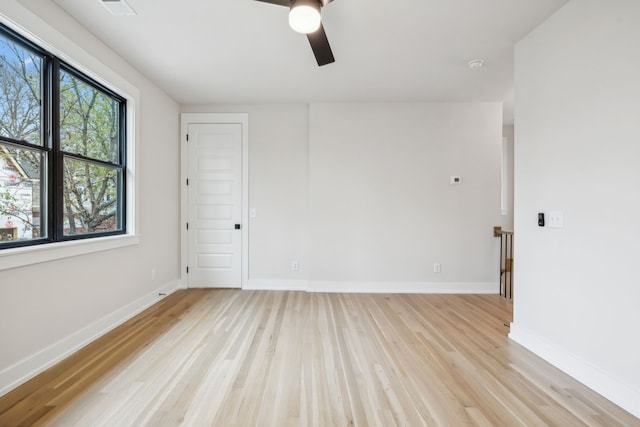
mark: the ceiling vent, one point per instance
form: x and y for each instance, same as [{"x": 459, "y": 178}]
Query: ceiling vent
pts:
[{"x": 118, "y": 7}]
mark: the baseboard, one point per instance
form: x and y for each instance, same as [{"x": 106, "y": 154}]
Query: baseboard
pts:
[
  {"x": 405, "y": 287},
  {"x": 275, "y": 285},
  {"x": 372, "y": 287},
  {"x": 24, "y": 370},
  {"x": 615, "y": 389}
]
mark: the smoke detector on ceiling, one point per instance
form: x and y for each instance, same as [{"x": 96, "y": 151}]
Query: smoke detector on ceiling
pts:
[
  {"x": 118, "y": 7},
  {"x": 476, "y": 63}
]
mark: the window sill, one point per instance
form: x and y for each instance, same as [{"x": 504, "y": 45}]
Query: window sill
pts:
[{"x": 19, "y": 257}]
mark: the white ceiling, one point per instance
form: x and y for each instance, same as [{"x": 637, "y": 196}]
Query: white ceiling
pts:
[{"x": 243, "y": 51}]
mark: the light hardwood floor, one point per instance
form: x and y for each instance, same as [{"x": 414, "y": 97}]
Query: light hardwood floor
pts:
[{"x": 250, "y": 358}]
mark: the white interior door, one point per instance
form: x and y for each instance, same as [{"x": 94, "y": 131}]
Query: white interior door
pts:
[{"x": 215, "y": 205}]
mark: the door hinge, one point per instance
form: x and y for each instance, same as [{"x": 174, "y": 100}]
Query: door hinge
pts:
[
  {"x": 187, "y": 181},
  {"x": 187, "y": 270},
  {"x": 187, "y": 226},
  {"x": 187, "y": 137}
]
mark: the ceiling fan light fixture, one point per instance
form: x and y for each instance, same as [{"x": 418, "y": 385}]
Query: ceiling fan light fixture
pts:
[{"x": 304, "y": 16}]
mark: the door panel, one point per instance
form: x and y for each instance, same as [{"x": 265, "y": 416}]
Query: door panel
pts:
[{"x": 215, "y": 205}]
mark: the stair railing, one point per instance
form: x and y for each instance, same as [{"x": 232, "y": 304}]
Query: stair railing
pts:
[{"x": 506, "y": 261}]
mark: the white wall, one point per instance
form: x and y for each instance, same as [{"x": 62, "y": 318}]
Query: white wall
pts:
[
  {"x": 508, "y": 132},
  {"x": 48, "y": 309},
  {"x": 382, "y": 210},
  {"x": 577, "y": 150},
  {"x": 359, "y": 194}
]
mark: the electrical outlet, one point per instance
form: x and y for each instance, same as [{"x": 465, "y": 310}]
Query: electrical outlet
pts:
[
  {"x": 555, "y": 219},
  {"x": 295, "y": 266},
  {"x": 436, "y": 267}
]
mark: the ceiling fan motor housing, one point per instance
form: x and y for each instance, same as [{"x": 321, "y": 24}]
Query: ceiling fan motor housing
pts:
[{"x": 311, "y": 3}]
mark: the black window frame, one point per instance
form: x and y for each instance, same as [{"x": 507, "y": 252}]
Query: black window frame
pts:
[{"x": 52, "y": 168}]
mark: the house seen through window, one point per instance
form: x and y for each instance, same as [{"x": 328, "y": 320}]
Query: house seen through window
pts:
[{"x": 62, "y": 150}]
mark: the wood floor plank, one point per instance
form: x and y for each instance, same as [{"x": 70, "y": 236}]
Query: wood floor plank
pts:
[{"x": 266, "y": 358}]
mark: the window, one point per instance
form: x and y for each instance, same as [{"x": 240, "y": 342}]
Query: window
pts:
[{"x": 62, "y": 150}]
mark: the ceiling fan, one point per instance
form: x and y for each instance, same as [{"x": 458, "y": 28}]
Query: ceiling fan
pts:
[{"x": 304, "y": 17}]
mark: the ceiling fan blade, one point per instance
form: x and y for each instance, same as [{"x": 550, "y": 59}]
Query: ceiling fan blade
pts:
[
  {"x": 320, "y": 45},
  {"x": 286, "y": 3}
]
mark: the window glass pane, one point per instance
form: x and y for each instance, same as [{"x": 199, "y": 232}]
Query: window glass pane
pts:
[
  {"x": 91, "y": 197},
  {"x": 89, "y": 120},
  {"x": 20, "y": 92},
  {"x": 87, "y": 153},
  {"x": 20, "y": 194}
]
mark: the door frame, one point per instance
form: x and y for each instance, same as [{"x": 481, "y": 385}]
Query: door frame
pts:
[{"x": 213, "y": 118}]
